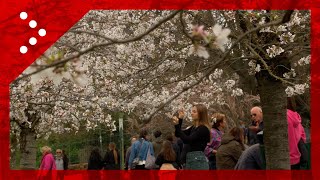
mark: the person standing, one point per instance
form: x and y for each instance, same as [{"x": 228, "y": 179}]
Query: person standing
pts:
[
  {"x": 95, "y": 161},
  {"x": 256, "y": 125},
  {"x": 157, "y": 142},
  {"x": 218, "y": 125},
  {"x": 112, "y": 158},
  {"x": 59, "y": 160},
  {"x": 59, "y": 164},
  {"x": 133, "y": 139},
  {"x": 230, "y": 149},
  {"x": 139, "y": 151},
  {"x": 47, "y": 163},
  {"x": 296, "y": 137},
  {"x": 196, "y": 136},
  {"x": 167, "y": 159}
]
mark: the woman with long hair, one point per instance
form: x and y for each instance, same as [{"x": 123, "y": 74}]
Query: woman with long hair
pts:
[
  {"x": 197, "y": 136},
  {"x": 167, "y": 159},
  {"x": 65, "y": 160},
  {"x": 95, "y": 160},
  {"x": 218, "y": 126},
  {"x": 231, "y": 148},
  {"x": 95, "y": 163},
  {"x": 112, "y": 158}
]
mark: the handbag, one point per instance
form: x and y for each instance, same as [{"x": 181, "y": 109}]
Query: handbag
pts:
[
  {"x": 137, "y": 159},
  {"x": 304, "y": 152},
  {"x": 150, "y": 161}
]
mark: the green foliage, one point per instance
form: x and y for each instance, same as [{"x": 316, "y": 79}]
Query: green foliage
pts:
[{"x": 78, "y": 146}]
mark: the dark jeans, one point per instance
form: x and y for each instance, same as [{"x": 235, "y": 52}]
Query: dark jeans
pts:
[
  {"x": 212, "y": 163},
  {"x": 295, "y": 167}
]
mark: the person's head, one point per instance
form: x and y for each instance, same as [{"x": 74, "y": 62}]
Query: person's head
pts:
[
  {"x": 199, "y": 114},
  {"x": 256, "y": 114},
  {"x": 143, "y": 133},
  {"x": 64, "y": 154},
  {"x": 167, "y": 151},
  {"x": 238, "y": 134},
  {"x": 45, "y": 150},
  {"x": 95, "y": 153},
  {"x": 157, "y": 134},
  {"x": 133, "y": 139},
  {"x": 291, "y": 104},
  {"x": 218, "y": 120},
  {"x": 112, "y": 146},
  {"x": 58, "y": 152}
]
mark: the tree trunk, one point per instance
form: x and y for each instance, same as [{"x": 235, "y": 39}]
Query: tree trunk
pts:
[
  {"x": 28, "y": 149},
  {"x": 274, "y": 101},
  {"x": 13, "y": 154}
]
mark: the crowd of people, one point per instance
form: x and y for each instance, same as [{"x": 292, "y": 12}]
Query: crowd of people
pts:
[{"x": 206, "y": 145}]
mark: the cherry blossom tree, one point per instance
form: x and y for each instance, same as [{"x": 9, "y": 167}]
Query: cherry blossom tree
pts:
[{"x": 149, "y": 63}]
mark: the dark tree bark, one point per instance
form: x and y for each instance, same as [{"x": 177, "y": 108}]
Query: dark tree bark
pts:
[
  {"x": 28, "y": 149},
  {"x": 273, "y": 100}
]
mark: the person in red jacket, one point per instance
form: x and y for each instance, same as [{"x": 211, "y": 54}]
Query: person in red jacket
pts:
[
  {"x": 295, "y": 134},
  {"x": 47, "y": 163}
]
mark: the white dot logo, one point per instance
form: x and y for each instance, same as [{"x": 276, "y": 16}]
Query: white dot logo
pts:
[
  {"x": 23, "y": 49},
  {"x": 23, "y": 15},
  {"x": 42, "y": 32},
  {"x": 33, "y": 24},
  {"x": 33, "y": 41}
]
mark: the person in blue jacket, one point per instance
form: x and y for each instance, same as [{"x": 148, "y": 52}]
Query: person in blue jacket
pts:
[{"x": 139, "y": 151}]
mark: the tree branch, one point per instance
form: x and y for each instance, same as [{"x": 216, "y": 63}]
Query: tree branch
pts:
[{"x": 113, "y": 41}]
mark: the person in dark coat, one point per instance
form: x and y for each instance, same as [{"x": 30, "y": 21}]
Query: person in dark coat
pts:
[
  {"x": 252, "y": 158},
  {"x": 256, "y": 125},
  {"x": 65, "y": 160},
  {"x": 112, "y": 158},
  {"x": 230, "y": 149},
  {"x": 95, "y": 161}
]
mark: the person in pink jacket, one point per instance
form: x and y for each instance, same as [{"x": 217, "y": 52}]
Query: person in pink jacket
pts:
[
  {"x": 295, "y": 133},
  {"x": 47, "y": 163}
]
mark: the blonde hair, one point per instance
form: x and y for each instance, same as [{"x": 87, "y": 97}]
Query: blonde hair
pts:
[
  {"x": 217, "y": 118},
  {"x": 45, "y": 149}
]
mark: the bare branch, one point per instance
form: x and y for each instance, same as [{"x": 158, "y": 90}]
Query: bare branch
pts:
[{"x": 267, "y": 67}]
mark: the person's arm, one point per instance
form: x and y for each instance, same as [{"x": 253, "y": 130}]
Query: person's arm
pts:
[
  {"x": 254, "y": 128},
  {"x": 202, "y": 131},
  {"x": 132, "y": 155},
  {"x": 127, "y": 157}
]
